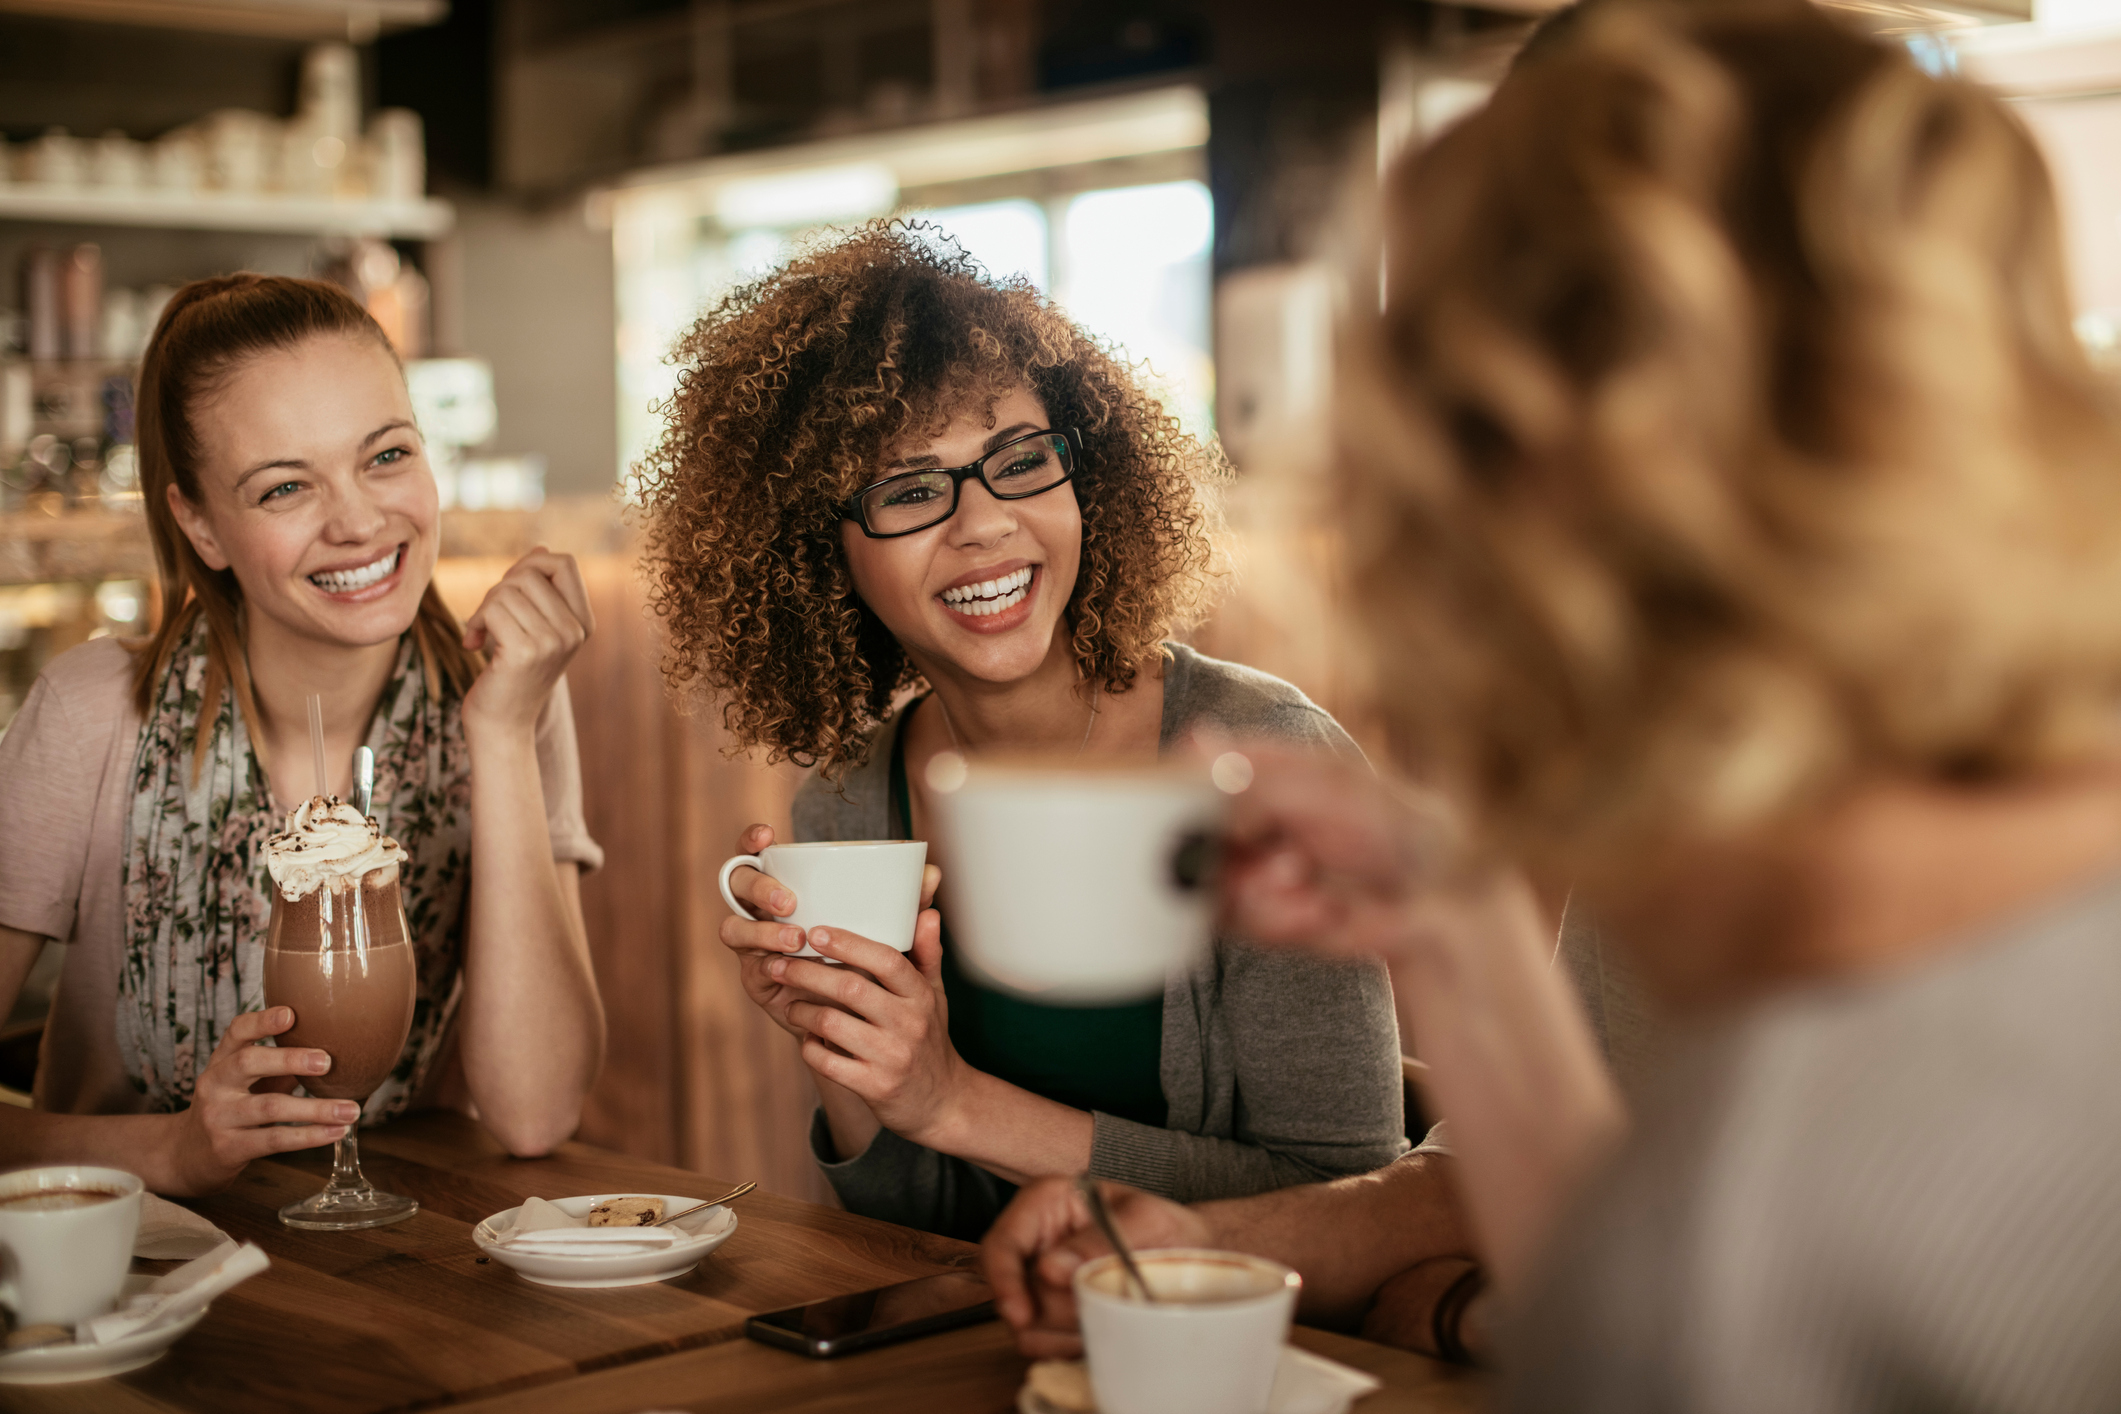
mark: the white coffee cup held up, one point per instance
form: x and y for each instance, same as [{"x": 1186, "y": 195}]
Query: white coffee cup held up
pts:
[
  {"x": 1080, "y": 886},
  {"x": 871, "y": 888},
  {"x": 1208, "y": 1344},
  {"x": 64, "y": 1258}
]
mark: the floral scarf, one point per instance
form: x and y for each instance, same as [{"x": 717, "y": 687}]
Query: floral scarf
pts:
[{"x": 198, "y": 897}]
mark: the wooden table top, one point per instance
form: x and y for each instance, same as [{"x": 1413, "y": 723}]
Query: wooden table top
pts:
[
  {"x": 974, "y": 1369},
  {"x": 411, "y": 1317}
]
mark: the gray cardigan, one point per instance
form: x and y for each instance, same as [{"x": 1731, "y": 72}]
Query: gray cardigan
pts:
[{"x": 1278, "y": 1068}]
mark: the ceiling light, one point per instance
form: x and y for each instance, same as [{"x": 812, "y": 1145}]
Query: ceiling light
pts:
[{"x": 803, "y": 198}]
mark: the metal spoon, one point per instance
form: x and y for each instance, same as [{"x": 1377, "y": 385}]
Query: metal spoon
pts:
[
  {"x": 730, "y": 1197},
  {"x": 1102, "y": 1216},
  {"x": 364, "y": 778}
]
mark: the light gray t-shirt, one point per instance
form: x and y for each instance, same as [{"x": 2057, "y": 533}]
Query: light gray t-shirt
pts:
[{"x": 1902, "y": 1193}]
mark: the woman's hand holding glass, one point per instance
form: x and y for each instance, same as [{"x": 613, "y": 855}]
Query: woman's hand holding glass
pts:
[{"x": 241, "y": 1108}]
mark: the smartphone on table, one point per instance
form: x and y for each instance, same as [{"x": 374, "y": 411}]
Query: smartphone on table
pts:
[{"x": 842, "y": 1325}]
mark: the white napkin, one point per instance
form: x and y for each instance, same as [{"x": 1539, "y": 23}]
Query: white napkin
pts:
[
  {"x": 536, "y": 1215},
  {"x": 591, "y": 1241},
  {"x": 189, "y": 1288},
  {"x": 1311, "y": 1384},
  {"x": 169, "y": 1233},
  {"x": 1303, "y": 1384},
  {"x": 544, "y": 1229},
  {"x": 704, "y": 1224}
]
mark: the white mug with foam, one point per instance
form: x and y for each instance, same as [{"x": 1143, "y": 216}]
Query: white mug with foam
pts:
[
  {"x": 1208, "y": 1344},
  {"x": 1077, "y": 885},
  {"x": 871, "y": 888},
  {"x": 63, "y": 1265}
]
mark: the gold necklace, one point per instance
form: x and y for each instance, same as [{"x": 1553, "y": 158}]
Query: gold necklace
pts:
[{"x": 1088, "y": 728}]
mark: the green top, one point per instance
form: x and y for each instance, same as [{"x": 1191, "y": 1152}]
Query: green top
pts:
[{"x": 1096, "y": 1058}]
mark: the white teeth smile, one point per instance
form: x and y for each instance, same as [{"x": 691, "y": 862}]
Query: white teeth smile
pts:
[
  {"x": 990, "y": 596},
  {"x": 348, "y": 581}
]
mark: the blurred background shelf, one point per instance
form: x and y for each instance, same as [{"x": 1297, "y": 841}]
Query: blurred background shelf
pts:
[
  {"x": 390, "y": 220},
  {"x": 357, "y": 20}
]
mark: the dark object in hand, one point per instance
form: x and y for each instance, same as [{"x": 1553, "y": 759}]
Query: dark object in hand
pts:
[{"x": 1195, "y": 860}]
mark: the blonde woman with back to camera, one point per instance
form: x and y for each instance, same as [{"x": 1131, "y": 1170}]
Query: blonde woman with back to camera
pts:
[{"x": 1725, "y": 467}]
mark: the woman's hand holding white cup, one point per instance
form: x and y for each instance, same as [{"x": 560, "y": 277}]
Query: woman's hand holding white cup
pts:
[
  {"x": 768, "y": 918},
  {"x": 874, "y": 889},
  {"x": 869, "y": 1011}
]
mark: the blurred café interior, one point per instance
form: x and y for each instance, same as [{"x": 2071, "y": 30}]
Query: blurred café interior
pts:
[{"x": 535, "y": 197}]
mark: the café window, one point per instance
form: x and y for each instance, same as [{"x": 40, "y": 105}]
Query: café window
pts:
[{"x": 1100, "y": 205}]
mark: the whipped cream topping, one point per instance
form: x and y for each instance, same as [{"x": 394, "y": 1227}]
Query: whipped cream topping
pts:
[{"x": 327, "y": 841}]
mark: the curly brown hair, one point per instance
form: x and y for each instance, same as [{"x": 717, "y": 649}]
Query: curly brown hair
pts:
[{"x": 788, "y": 393}]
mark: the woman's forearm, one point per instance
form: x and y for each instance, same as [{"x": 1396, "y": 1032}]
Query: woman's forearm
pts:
[
  {"x": 1013, "y": 1134},
  {"x": 533, "y": 1025},
  {"x": 1513, "y": 1065},
  {"x": 847, "y": 1118},
  {"x": 1010, "y": 1132},
  {"x": 1350, "y": 1236},
  {"x": 142, "y": 1144}
]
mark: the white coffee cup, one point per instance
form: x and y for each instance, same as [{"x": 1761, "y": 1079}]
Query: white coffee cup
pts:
[
  {"x": 1208, "y": 1344},
  {"x": 59, "y": 1266},
  {"x": 871, "y": 888},
  {"x": 1077, "y": 886}
]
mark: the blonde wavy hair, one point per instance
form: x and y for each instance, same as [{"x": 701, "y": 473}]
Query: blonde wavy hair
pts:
[{"x": 1723, "y": 439}]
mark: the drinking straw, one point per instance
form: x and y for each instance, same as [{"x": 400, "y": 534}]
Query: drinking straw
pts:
[{"x": 316, "y": 741}]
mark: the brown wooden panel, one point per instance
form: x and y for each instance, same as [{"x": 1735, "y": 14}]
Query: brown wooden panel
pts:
[
  {"x": 694, "y": 1074},
  {"x": 631, "y": 905},
  {"x": 746, "y": 1104}
]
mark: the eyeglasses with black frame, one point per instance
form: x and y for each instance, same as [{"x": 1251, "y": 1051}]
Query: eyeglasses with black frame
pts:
[{"x": 1025, "y": 466}]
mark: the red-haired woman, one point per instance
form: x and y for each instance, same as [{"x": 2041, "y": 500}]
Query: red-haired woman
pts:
[{"x": 295, "y": 524}]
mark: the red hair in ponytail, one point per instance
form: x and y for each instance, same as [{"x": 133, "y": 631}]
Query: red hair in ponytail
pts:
[{"x": 208, "y": 329}]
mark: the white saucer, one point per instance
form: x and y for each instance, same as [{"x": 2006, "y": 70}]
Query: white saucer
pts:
[
  {"x": 1304, "y": 1383},
  {"x": 598, "y": 1269},
  {"x": 62, "y": 1364}
]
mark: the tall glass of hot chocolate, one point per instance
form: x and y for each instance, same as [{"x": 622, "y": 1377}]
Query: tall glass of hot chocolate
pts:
[{"x": 339, "y": 954}]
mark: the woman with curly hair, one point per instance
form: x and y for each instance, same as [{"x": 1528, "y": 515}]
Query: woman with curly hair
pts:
[{"x": 885, "y": 471}]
